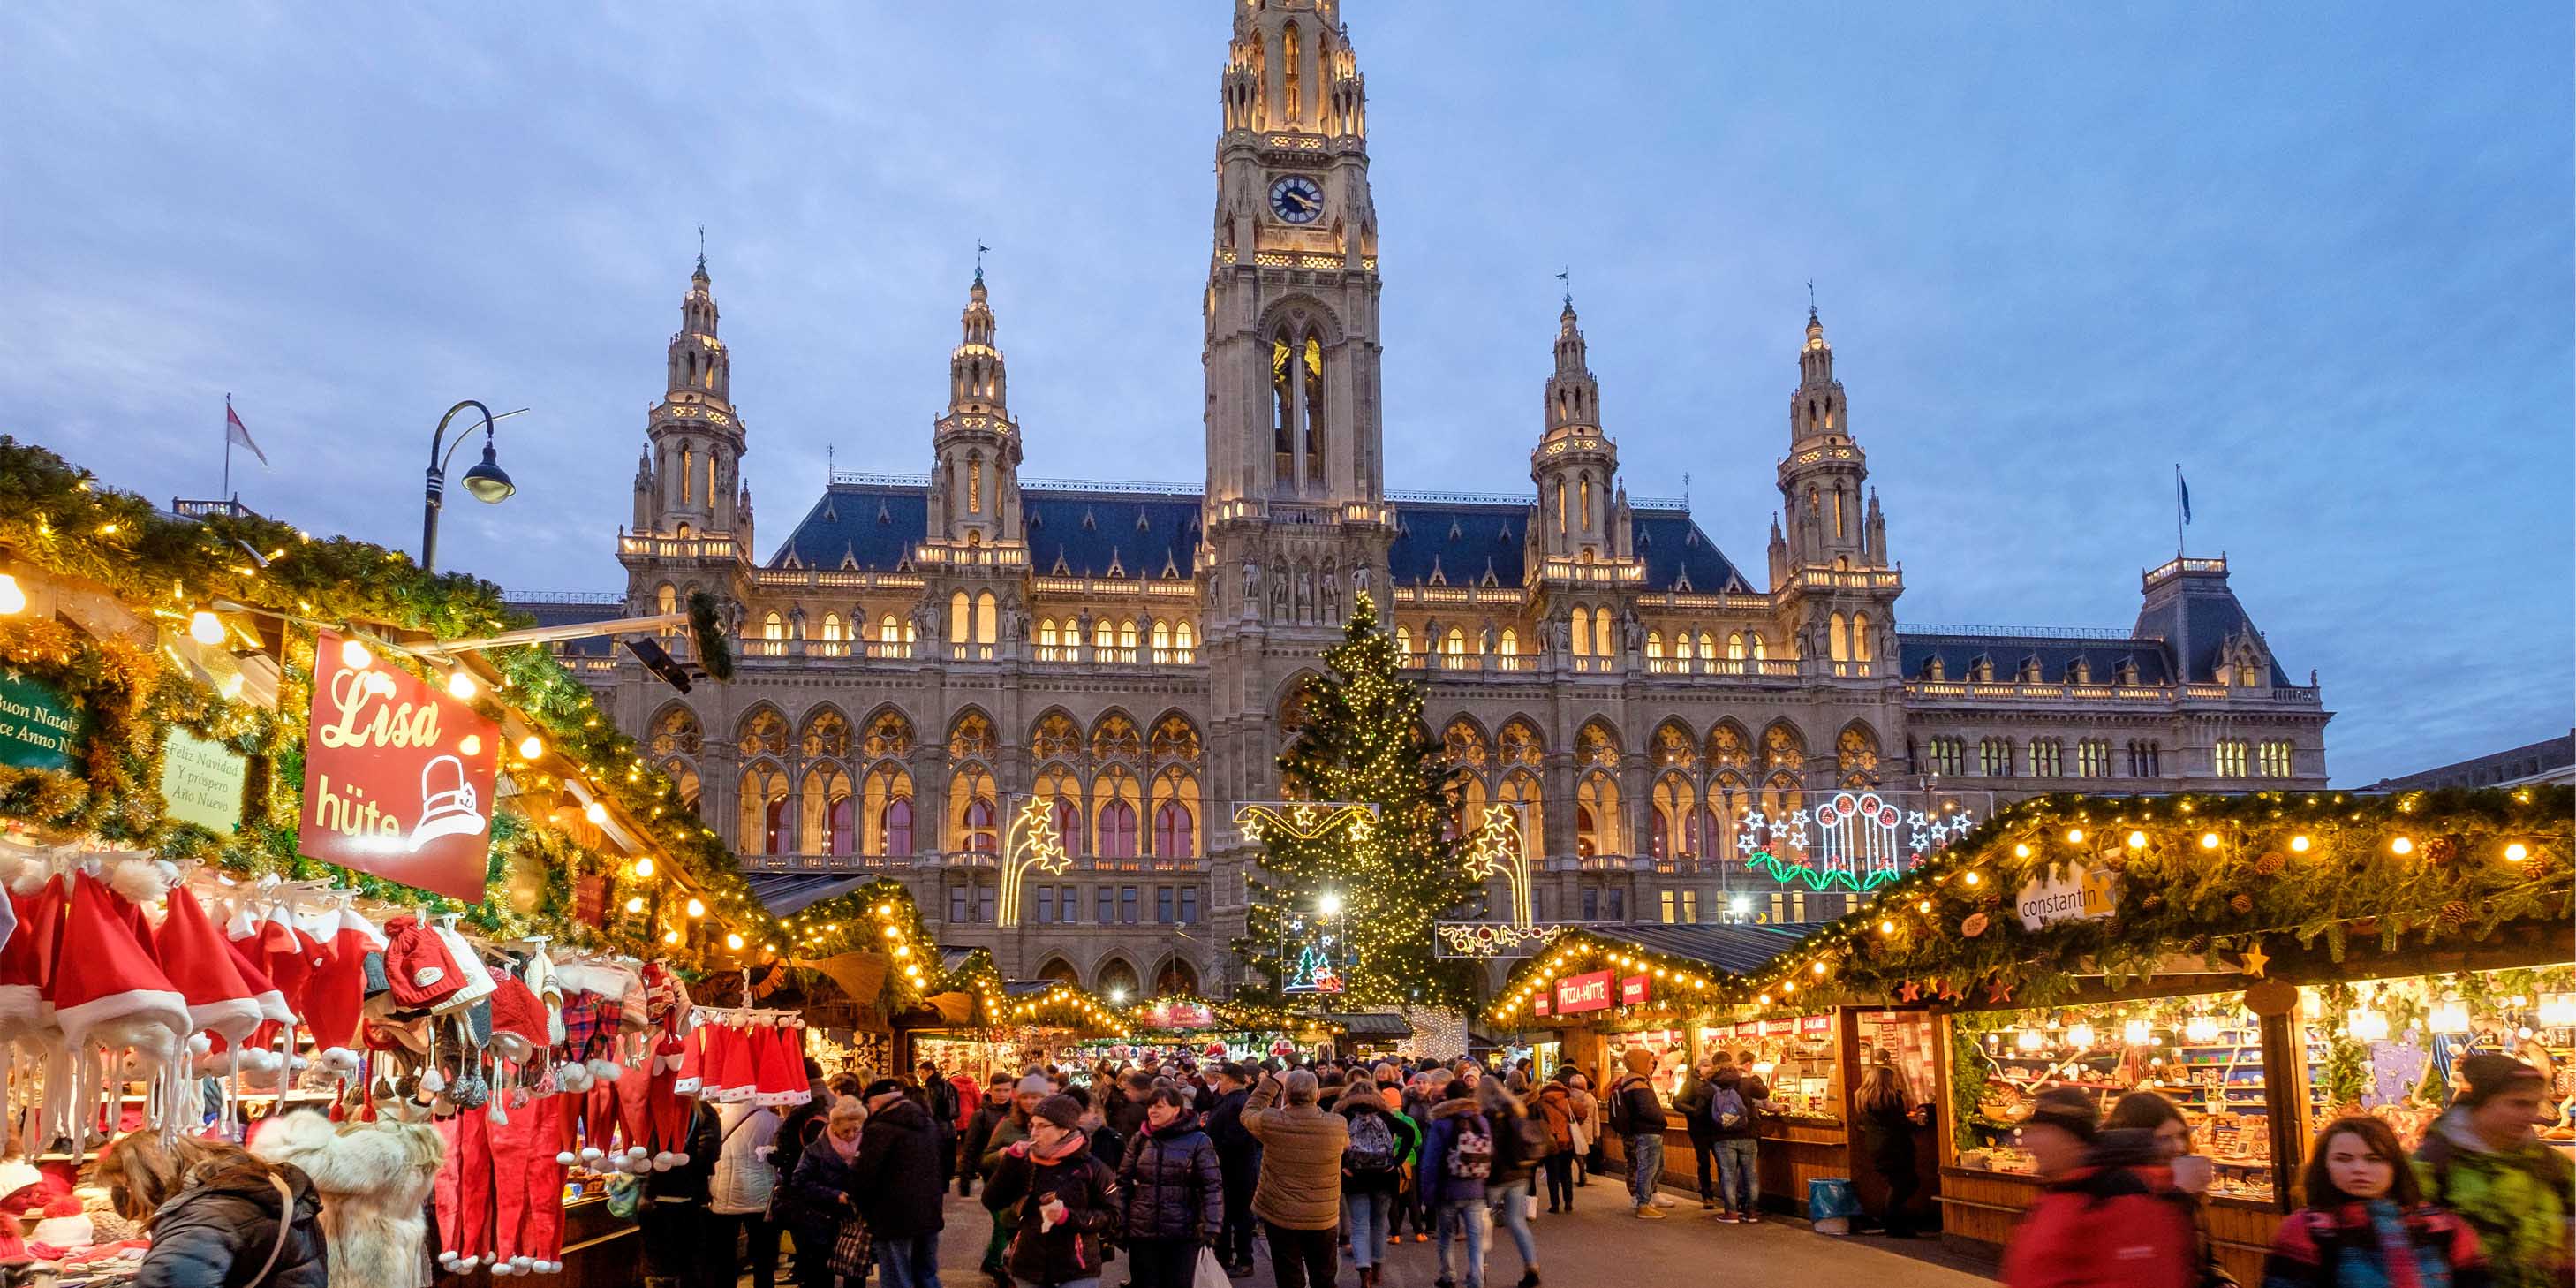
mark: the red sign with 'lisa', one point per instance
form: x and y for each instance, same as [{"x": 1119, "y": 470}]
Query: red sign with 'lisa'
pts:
[
  {"x": 398, "y": 776},
  {"x": 1578, "y": 993}
]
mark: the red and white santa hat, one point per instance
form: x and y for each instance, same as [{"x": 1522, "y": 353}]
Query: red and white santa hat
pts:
[
  {"x": 736, "y": 1073},
  {"x": 106, "y": 976},
  {"x": 27, "y": 961},
  {"x": 196, "y": 960}
]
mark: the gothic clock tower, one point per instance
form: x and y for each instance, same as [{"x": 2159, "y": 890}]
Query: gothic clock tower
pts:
[{"x": 1297, "y": 521}]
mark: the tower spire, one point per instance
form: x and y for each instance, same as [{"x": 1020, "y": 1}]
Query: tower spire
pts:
[{"x": 975, "y": 494}]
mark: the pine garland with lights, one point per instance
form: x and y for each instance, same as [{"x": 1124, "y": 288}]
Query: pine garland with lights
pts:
[
  {"x": 54, "y": 516},
  {"x": 2200, "y": 874},
  {"x": 1361, "y": 741}
]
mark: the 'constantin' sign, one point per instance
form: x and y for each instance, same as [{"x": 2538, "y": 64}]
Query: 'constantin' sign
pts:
[
  {"x": 397, "y": 777},
  {"x": 2079, "y": 893},
  {"x": 38, "y": 730}
]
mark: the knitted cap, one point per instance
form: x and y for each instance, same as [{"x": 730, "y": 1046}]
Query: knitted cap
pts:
[
  {"x": 418, "y": 965},
  {"x": 1035, "y": 1085},
  {"x": 1063, "y": 1111}
]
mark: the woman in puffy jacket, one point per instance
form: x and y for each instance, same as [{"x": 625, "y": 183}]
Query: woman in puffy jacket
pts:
[
  {"x": 1555, "y": 1112},
  {"x": 233, "y": 1220},
  {"x": 1172, "y": 1200}
]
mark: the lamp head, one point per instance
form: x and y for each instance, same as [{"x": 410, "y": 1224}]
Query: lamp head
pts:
[{"x": 486, "y": 480}]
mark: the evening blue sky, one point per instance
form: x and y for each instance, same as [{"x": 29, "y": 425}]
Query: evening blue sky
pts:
[{"x": 2318, "y": 254}]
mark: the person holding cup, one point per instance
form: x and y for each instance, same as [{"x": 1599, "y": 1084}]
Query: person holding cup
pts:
[{"x": 1067, "y": 1200}]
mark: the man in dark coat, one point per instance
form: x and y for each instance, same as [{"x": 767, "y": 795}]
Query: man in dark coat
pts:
[
  {"x": 899, "y": 1184},
  {"x": 1238, "y": 1160}
]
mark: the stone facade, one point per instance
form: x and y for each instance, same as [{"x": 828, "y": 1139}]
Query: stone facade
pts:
[{"x": 922, "y": 653}]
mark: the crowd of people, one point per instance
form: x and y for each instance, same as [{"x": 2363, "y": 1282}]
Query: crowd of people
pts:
[{"x": 1164, "y": 1167}]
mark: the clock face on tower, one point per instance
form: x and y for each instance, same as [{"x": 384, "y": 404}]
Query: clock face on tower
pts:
[{"x": 1296, "y": 199}]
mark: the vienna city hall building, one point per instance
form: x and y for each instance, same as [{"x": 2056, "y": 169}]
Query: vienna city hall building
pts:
[{"x": 921, "y": 653}]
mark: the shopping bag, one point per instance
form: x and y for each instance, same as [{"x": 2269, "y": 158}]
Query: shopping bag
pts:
[
  {"x": 1210, "y": 1274},
  {"x": 1530, "y": 1211}
]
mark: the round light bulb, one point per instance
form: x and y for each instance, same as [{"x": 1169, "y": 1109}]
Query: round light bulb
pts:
[
  {"x": 697, "y": 908},
  {"x": 2137, "y": 840},
  {"x": 2209, "y": 840},
  {"x": 635, "y": 903},
  {"x": 1887, "y": 927},
  {"x": 644, "y": 867},
  {"x": 1973, "y": 878},
  {"x": 2401, "y": 846},
  {"x": 531, "y": 747},
  {"x": 733, "y": 942},
  {"x": 2075, "y": 836},
  {"x": 670, "y": 936},
  {"x": 470, "y": 745},
  {"x": 460, "y": 685},
  {"x": 595, "y": 812},
  {"x": 354, "y": 655},
  {"x": 2299, "y": 843},
  {"x": 205, "y": 628},
  {"x": 2516, "y": 852}
]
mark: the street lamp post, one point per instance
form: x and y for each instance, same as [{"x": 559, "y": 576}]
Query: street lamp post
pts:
[{"x": 485, "y": 480}]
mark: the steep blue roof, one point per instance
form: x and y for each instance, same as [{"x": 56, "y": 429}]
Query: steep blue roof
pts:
[
  {"x": 2194, "y": 612},
  {"x": 2057, "y": 656},
  {"x": 1083, "y": 532}
]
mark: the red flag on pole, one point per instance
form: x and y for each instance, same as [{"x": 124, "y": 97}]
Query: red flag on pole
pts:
[{"x": 236, "y": 432}]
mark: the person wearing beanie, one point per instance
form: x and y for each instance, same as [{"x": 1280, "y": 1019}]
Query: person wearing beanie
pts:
[
  {"x": 1172, "y": 1199},
  {"x": 1009, "y": 1130},
  {"x": 1067, "y": 1200},
  {"x": 2109, "y": 1215},
  {"x": 1298, "y": 1197},
  {"x": 1637, "y": 1114},
  {"x": 899, "y": 1185},
  {"x": 2483, "y": 1160}
]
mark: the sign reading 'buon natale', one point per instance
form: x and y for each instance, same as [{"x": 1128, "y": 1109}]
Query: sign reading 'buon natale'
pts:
[{"x": 398, "y": 777}]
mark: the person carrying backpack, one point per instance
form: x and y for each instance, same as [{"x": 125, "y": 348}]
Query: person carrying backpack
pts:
[
  {"x": 1637, "y": 1114},
  {"x": 1734, "y": 1108},
  {"x": 1457, "y": 1164},
  {"x": 1690, "y": 1100},
  {"x": 1518, "y": 1142},
  {"x": 1372, "y": 1171}
]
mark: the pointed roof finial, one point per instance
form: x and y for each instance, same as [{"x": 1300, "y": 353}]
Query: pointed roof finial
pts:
[
  {"x": 1565, "y": 277},
  {"x": 980, "y": 248},
  {"x": 702, "y": 250}
]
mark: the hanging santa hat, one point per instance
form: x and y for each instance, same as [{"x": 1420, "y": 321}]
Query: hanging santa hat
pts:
[
  {"x": 197, "y": 962},
  {"x": 782, "y": 1079},
  {"x": 693, "y": 1060},
  {"x": 27, "y": 961},
  {"x": 109, "y": 993},
  {"x": 337, "y": 993}
]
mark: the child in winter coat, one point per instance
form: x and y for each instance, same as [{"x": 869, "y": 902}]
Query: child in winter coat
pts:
[
  {"x": 1067, "y": 1200},
  {"x": 2366, "y": 1223}
]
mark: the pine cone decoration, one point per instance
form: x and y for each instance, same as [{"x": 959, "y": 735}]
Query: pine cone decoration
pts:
[
  {"x": 2195, "y": 945},
  {"x": 2242, "y": 904},
  {"x": 2272, "y": 861},
  {"x": 2152, "y": 902},
  {"x": 2455, "y": 913},
  {"x": 2440, "y": 850}
]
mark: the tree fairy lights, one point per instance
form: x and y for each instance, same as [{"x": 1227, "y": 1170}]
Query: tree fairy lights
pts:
[{"x": 1359, "y": 740}]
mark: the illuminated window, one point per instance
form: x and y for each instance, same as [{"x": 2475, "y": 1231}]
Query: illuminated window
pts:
[
  {"x": 2232, "y": 755},
  {"x": 961, "y": 619},
  {"x": 1753, "y": 644},
  {"x": 1560, "y": 507},
  {"x": 2093, "y": 758},
  {"x": 1403, "y": 639},
  {"x": 772, "y": 628},
  {"x": 1838, "y": 638},
  {"x": 985, "y": 608},
  {"x": 1583, "y": 494},
  {"x": 1511, "y": 643},
  {"x": 1735, "y": 646},
  {"x": 1995, "y": 757},
  {"x": 1860, "y": 637},
  {"x": 974, "y": 485},
  {"x": 1314, "y": 407},
  {"x": 1455, "y": 643},
  {"x": 1949, "y": 756},
  {"x": 1046, "y": 633},
  {"x": 2047, "y": 758},
  {"x": 1183, "y": 637},
  {"x": 1104, "y": 634},
  {"x": 832, "y": 627},
  {"x": 1127, "y": 634},
  {"x": 1655, "y": 644},
  {"x": 2279, "y": 758},
  {"x": 1581, "y": 634},
  {"x": 688, "y": 475},
  {"x": 667, "y": 600},
  {"x": 1283, "y": 398}
]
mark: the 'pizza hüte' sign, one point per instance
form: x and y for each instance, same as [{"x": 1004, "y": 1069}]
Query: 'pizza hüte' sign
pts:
[
  {"x": 398, "y": 776},
  {"x": 38, "y": 729}
]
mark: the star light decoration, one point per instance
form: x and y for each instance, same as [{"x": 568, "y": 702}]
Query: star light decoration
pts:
[
  {"x": 1304, "y": 820},
  {"x": 1497, "y": 850},
  {"x": 1486, "y": 939},
  {"x": 1032, "y": 842}
]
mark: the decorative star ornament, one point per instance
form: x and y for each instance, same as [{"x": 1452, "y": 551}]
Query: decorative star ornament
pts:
[
  {"x": 1911, "y": 992},
  {"x": 2255, "y": 959},
  {"x": 1999, "y": 991}
]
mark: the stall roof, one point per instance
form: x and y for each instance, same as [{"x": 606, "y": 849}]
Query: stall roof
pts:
[
  {"x": 1733, "y": 949},
  {"x": 1373, "y": 1025},
  {"x": 786, "y": 894}
]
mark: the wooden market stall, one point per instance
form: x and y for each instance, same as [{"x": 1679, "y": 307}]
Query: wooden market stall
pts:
[{"x": 2264, "y": 962}]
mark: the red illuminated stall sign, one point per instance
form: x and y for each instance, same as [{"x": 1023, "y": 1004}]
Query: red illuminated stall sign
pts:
[
  {"x": 1632, "y": 991},
  {"x": 398, "y": 776},
  {"x": 1579, "y": 993},
  {"x": 1543, "y": 1005}
]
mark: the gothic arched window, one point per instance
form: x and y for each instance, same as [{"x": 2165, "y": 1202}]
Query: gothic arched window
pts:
[
  {"x": 1583, "y": 493},
  {"x": 1314, "y": 406},
  {"x": 1581, "y": 634},
  {"x": 1283, "y": 398},
  {"x": 1289, "y": 63},
  {"x": 1560, "y": 507},
  {"x": 974, "y": 483},
  {"x": 688, "y": 473}
]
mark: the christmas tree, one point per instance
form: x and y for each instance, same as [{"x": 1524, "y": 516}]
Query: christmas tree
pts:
[{"x": 1360, "y": 739}]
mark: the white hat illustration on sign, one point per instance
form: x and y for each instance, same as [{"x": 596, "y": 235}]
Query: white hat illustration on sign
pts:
[{"x": 446, "y": 803}]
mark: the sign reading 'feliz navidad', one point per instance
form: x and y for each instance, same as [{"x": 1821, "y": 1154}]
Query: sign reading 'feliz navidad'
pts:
[{"x": 397, "y": 776}]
